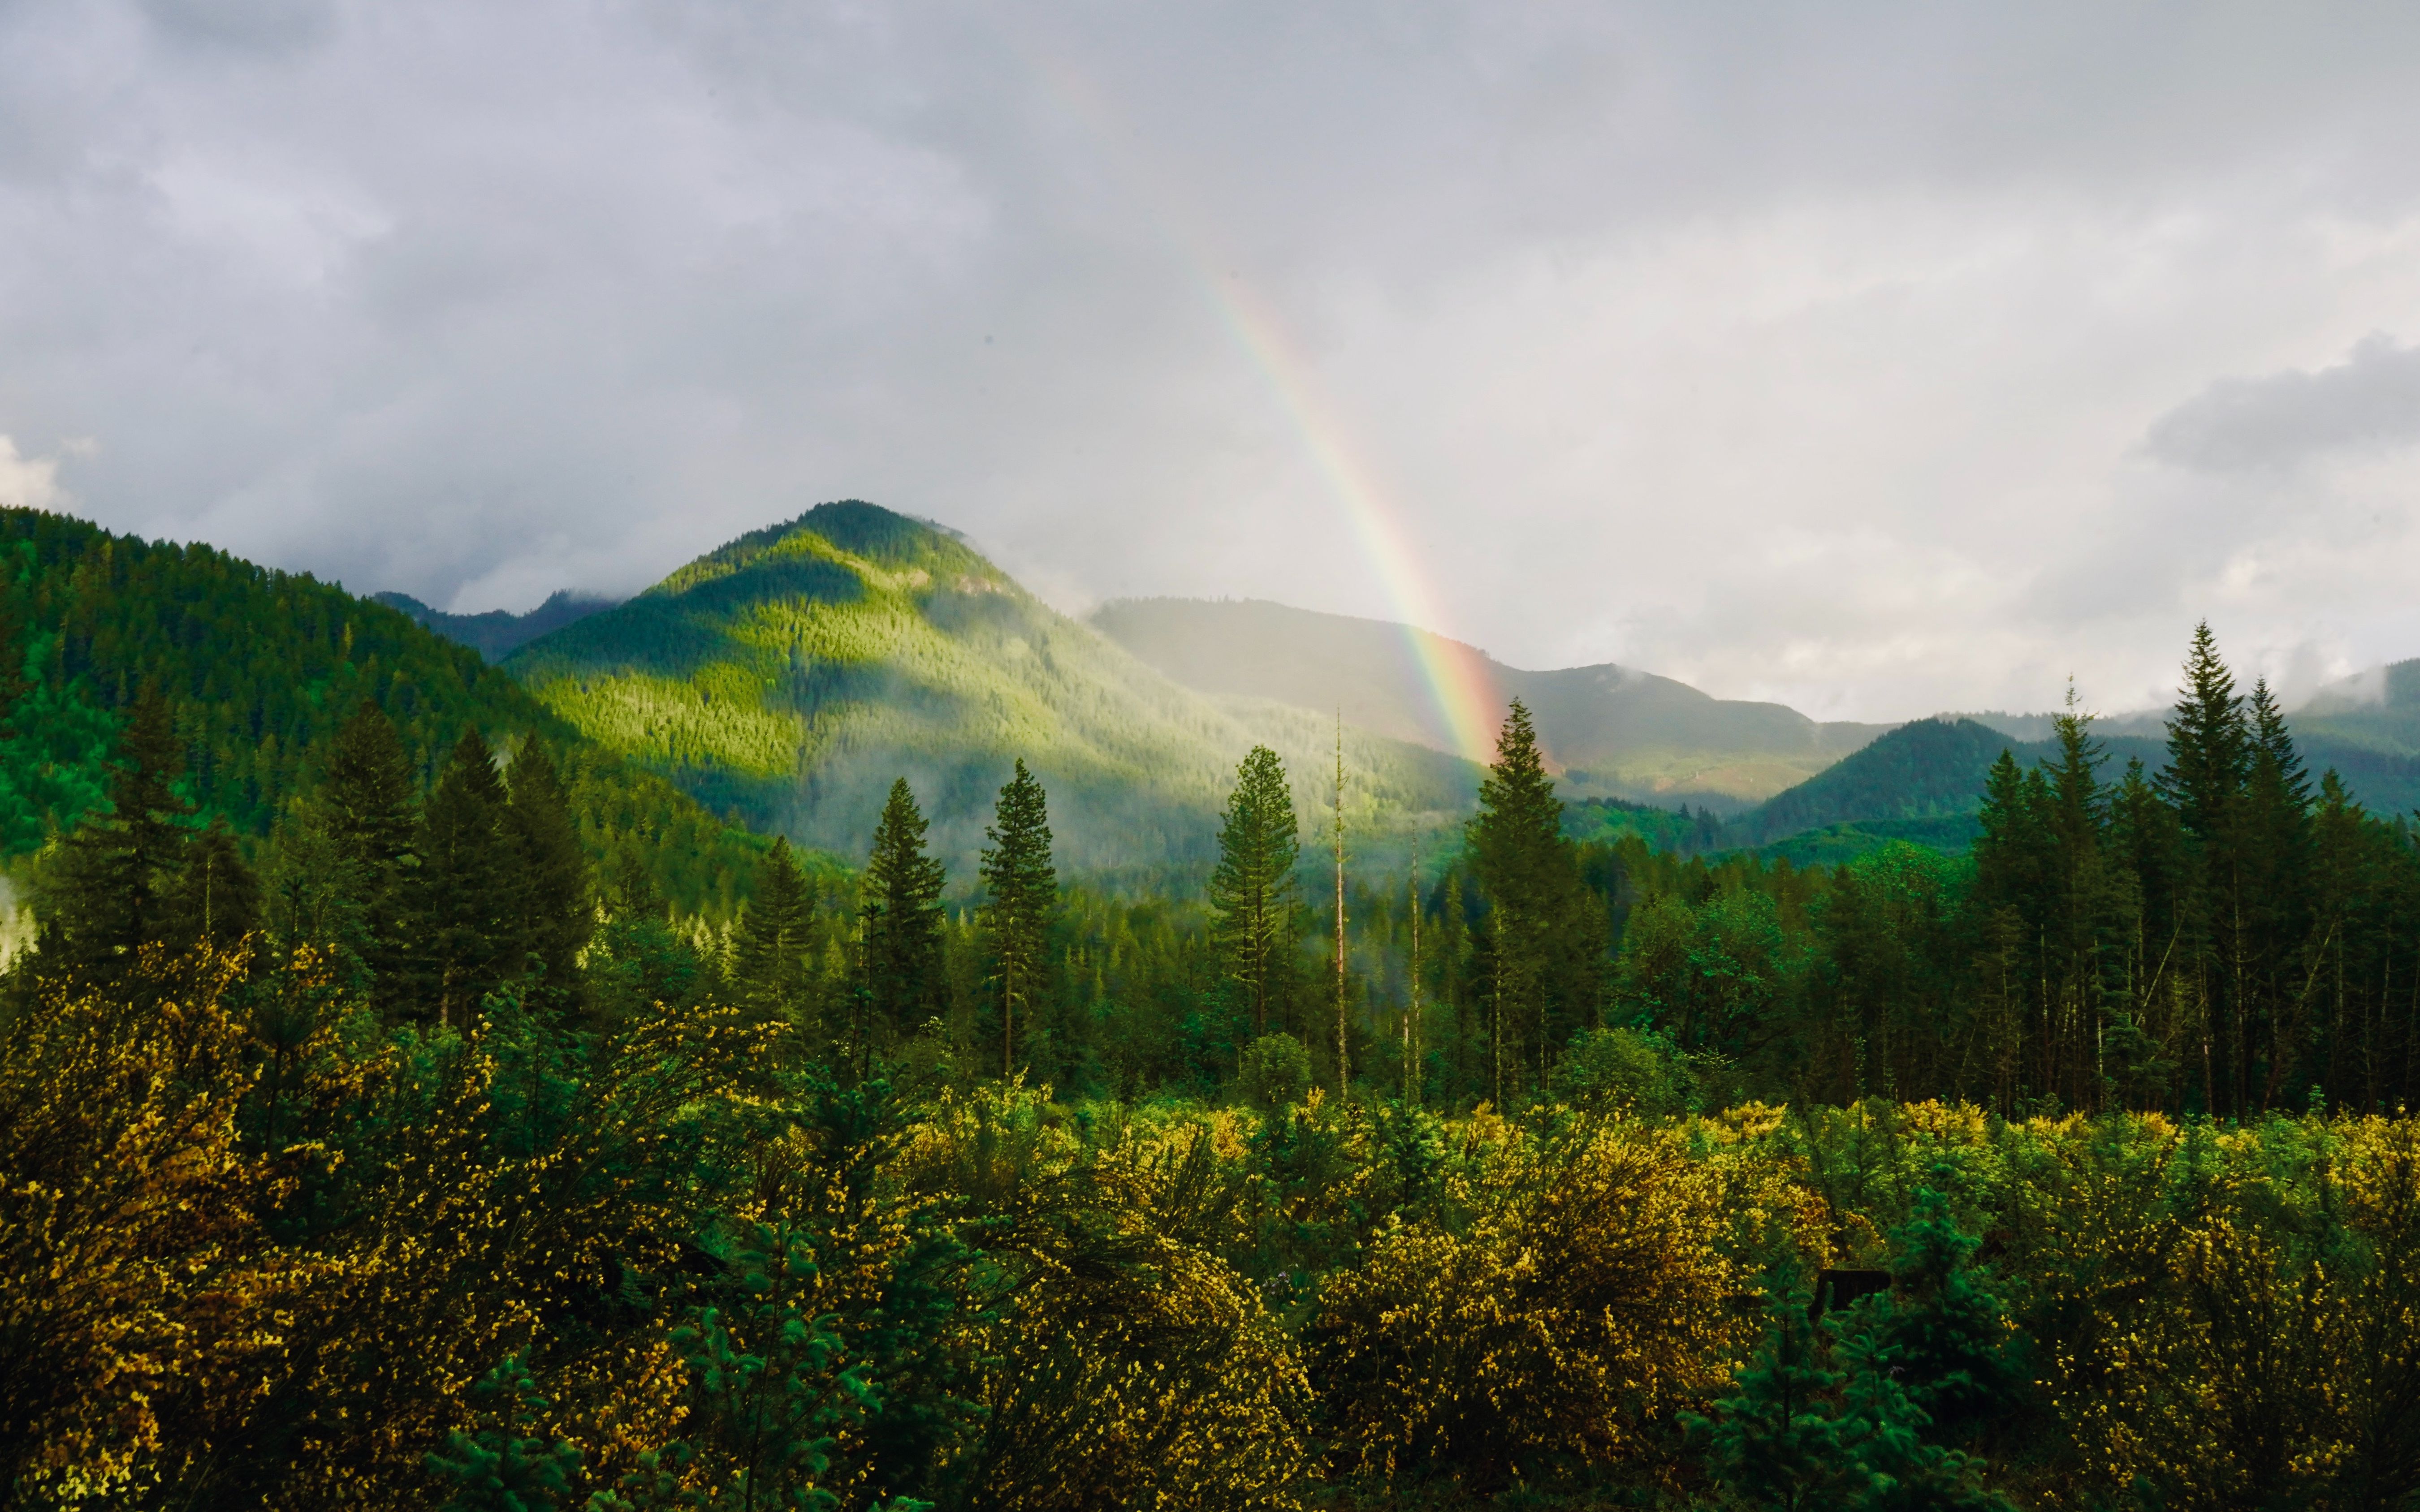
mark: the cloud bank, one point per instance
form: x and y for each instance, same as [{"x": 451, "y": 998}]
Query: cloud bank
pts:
[
  {"x": 1879, "y": 358},
  {"x": 2369, "y": 401}
]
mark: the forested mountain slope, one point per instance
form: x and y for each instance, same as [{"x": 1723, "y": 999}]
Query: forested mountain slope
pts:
[
  {"x": 788, "y": 677},
  {"x": 2368, "y": 727},
  {"x": 259, "y": 667},
  {"x": 1614, "y": 731},
  {"x": 495, "y": 634}
]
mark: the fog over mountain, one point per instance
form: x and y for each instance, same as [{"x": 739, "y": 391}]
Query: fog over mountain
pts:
[{"x": 1870, "y": 359}]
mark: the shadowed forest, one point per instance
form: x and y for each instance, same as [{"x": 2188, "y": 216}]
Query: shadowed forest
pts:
[{"x": 445, "y": 1150}]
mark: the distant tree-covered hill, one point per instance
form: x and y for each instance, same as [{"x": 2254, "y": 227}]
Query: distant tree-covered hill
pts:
[
  {"x": 790, "y": 676},
  {"x": 1923, "y": 782},
  {"x": 259, "y": 667},
  {"x": 1614, "y": 731},
  {"x": 495, "y": 634}
]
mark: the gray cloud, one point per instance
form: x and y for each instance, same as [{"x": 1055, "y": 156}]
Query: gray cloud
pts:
[
  {"x": 2369, "y": 400},
  {"x": 1806, "y": 352}
]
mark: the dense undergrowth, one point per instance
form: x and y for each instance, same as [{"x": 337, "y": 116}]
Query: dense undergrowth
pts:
[{"x": 261, "y": 1249}]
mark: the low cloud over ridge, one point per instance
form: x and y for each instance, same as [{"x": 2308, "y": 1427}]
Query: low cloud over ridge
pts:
[{"x": 2369, "y": 400}]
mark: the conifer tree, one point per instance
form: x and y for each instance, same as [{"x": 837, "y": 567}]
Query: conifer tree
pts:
[
  {"x": 367, "y": 788},
  {"x": 632, "y": 892},
  {"x": 2082, "y": 931},
  {"x": 1021, "y": 897},
  {"x": 2210, "y": 758},
  {"x": 773, "y": 959},
  {"x": 556, "y": 897},
  {"x": 2207, "y": 755},
  {"x": 2147, "y": 844},
  {"x": 902, "y": 909},
  {"x": 1542, "y": 952},
  {"x": 1946, "y": 1331},
  {"x": 112, "y": 893},
  {"x": 366, "y": 811},
  {"x": 1775, "y": 1441},
  {"x": 2275, "y": 824},
  {"x": 1253, "y": 892},
  {"x": 217, "y": 899},
  {"x": 463, "y": 908}
]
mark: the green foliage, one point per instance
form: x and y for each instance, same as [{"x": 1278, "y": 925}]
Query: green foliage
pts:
[
  {"x": 1860, "y": 1409},
  {"x": 767, "y": 1391},
  {"x": 499, "y": 1467},
  {"x": 1275, "y": 1073},
  {"x": 773, "y": 961},
  {"x": 1775, "y": 1440},
  {"x": 902, "y": 910},
  {"x": 1252, "y": 890},
  {"x": 1020, "y": 895},
  {"x": 1626, "y": 1069},
  {"x": 1544, "y": 935}
]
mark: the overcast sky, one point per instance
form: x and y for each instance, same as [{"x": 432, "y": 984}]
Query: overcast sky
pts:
[{"x": 1875, "y": 358}]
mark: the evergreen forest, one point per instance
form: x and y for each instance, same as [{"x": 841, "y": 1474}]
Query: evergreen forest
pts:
[{"x": 406, "y": 1100}]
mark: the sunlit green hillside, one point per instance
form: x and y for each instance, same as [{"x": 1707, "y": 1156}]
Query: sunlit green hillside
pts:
[
  {"x": 257, "y": 669},
  {"x": 788, "y": 677}
]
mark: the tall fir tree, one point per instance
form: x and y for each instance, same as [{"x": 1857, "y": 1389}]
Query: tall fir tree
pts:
[
  {"x": 1253, "y": 891},
  {"x": 1543, "y": 984},
  {"x": 2275, "y": 823},
  {"x": 462, "y": 911},
  {"x": 112, "y": 893},
  {"x": 1021, "y": 899},
  {"x": 901, "y": 912},
  {"x": 366, "y": 818},
  {"x": 2082, "y": 927},
  {"x": 2208, "y": 753},
  {"x": 367, "y": 788},
  {"x": 555, "y": 894},
  {"x": 2210, "y": 757},
  {"x": 773, "y": 959}
]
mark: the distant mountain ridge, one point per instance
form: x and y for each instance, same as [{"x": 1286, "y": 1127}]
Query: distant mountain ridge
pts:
[
  {"x": 497, "y": 633},
  {"x": 787, "y": 677},
  {"x": 1924, "y": 782},
  {"x": 1613, "y": 731}
]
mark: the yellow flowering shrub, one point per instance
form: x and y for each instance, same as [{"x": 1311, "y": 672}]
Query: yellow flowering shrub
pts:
[{"x": 1584, "y": 1300}]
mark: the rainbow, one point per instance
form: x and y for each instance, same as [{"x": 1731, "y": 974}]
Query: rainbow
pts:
[{"x": 1468, "y": 703}]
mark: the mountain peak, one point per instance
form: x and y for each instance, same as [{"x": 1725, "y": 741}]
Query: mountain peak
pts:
[{"x": 869, "y": 531}]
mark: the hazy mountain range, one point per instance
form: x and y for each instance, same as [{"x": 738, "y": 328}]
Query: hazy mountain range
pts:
[{"x": 1612, "y": 730}]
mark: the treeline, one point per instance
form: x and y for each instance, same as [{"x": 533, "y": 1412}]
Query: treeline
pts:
[{"x": 2222, "y": 935}]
